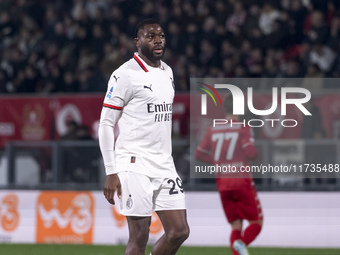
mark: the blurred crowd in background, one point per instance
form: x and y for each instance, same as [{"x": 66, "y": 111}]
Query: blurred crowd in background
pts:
[{"x": 50, "y": 46}]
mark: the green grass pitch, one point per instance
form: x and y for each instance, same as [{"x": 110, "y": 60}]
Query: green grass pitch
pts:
[{"x": 55, "y": 249}]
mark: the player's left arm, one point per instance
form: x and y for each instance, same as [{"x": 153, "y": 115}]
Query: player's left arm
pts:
[
  {"x": 118, "y": 94},
  {"x": 248, "y": 145}
]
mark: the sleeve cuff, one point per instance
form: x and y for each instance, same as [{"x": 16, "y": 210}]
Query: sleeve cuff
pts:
[{"x": 110, "y": 168}]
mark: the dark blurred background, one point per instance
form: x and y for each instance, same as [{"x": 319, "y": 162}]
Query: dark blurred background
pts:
[{"x": 50, "y": 46}]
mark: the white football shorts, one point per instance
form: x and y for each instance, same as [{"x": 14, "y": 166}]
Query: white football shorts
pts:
[{"x": 142, "y": 195}]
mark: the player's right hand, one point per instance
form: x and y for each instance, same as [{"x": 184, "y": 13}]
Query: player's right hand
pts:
[{"x": 112, "y": 183}]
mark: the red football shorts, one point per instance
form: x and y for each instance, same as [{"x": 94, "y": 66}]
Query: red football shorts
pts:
[{"x": 242, "y": 204}]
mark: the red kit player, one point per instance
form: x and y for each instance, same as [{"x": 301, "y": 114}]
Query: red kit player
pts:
[{"x": 231, "y": 146}]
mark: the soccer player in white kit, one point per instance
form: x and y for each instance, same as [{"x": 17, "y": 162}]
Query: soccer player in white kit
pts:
[{"x": 139, "y": 166}]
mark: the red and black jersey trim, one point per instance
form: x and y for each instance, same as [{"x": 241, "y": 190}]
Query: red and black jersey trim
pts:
[
  {"x": 112, "y": 107},
  {"x": 140, "y": 63}
]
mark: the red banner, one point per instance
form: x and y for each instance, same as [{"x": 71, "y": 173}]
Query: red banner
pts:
[
  {"x": 329, "y": 106},
  {"x": 44, "y": 118},
  {"x": 39, "y": 119},
  {"x": 181, "y": 115},
  {"x": 25, "y": 118},
  {"x": 83, "y": 109}
]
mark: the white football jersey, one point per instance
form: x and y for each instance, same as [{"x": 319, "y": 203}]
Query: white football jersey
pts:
[{"x": 144, "y": 95}]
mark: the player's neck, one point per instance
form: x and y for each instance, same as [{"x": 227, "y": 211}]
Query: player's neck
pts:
[{"x": 156, "y": 63}]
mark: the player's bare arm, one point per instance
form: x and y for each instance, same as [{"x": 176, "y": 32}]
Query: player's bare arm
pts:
[
  {"x": 108, "y": 120},
  {"x": 111, "y": 185}
]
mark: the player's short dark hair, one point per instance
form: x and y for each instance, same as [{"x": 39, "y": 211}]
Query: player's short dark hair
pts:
[
  {"x": 228, "y": 104},
  {"x": 140, "y": 25}
]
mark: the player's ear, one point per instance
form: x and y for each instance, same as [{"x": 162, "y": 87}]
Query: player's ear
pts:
[{"x": 137, "y": 42}]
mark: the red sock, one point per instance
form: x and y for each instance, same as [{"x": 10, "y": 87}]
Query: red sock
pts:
[
  {"x": 235, "y": 235},
  {"x": 250, "y": 233}
]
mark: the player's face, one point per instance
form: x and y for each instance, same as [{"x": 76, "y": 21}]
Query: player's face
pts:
[{"x": 151, "y": 43}]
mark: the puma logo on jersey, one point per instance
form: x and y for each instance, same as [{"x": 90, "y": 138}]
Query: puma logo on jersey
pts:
[
  {"x": 146, "y": 87},
  {"x": 116, "y": 78}
]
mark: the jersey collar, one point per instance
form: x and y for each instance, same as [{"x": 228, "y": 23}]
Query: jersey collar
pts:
[{"x": 144, "y": 65}]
